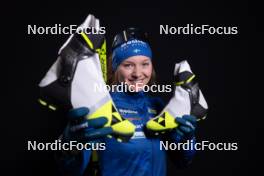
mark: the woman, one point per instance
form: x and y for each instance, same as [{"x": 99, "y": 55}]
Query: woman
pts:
[{"x": 142, "y": 154}]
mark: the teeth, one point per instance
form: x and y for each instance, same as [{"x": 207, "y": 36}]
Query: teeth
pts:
[{"x": 139, "y": 81}]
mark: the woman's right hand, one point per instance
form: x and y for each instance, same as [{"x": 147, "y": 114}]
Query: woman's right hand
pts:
[{"x": 83, "y": 130}]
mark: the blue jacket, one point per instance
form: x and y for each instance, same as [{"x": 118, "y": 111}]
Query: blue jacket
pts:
[{"x": 141, "y": 156}]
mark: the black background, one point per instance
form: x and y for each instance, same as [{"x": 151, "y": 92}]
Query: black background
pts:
[{"x": 219, "y": 61}]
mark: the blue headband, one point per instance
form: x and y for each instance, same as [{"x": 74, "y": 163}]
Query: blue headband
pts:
[{"x": 131, "y": 48}]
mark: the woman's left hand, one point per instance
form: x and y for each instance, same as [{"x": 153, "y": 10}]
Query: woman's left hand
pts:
[{"x": 186, "y": 129}]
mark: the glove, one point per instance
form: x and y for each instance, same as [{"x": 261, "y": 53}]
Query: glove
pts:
[
  {"x": 83, "y": 130},
  {"x": 186, "y": 128}
]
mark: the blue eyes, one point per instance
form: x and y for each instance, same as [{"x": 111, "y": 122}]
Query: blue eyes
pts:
[
  {"x": 131, "y": 65},
  {"x": 145, "y": 64},
  {"x": 127, "y": 65}
]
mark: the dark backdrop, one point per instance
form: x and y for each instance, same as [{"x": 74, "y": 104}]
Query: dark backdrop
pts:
[{"x": 218, "y": 61}]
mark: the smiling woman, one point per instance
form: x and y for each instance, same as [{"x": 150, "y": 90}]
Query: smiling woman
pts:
[
  {"x": 144, "y": 115},
  {"x": 131, "y": 60},
  {"x": 135, "y": 71}
]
